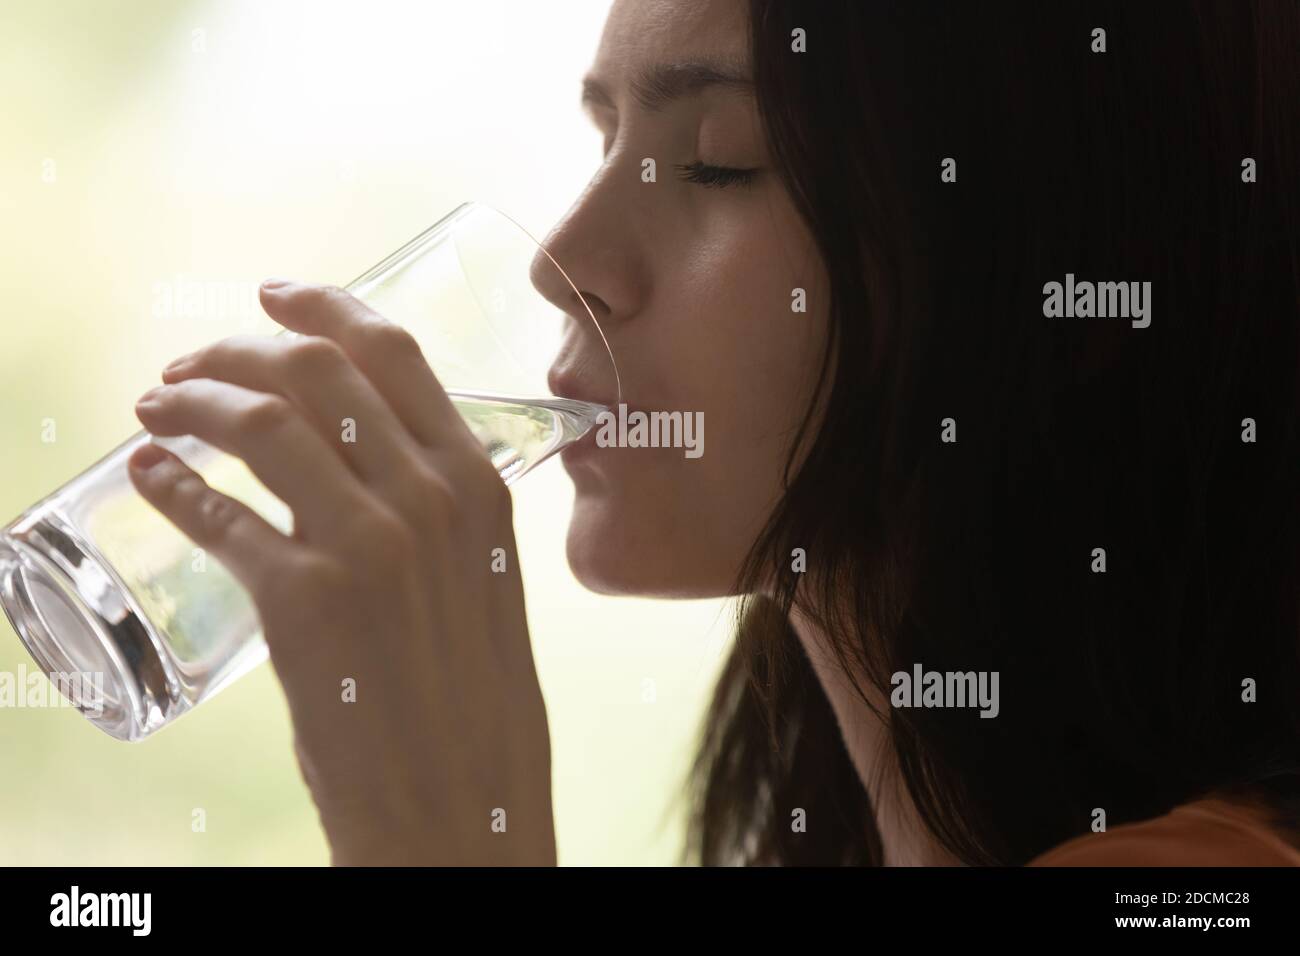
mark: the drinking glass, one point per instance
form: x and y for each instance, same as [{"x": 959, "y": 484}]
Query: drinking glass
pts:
[{"x": 137, "y": 626}]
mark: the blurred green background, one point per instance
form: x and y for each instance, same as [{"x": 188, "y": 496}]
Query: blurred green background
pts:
[{"x": 153, "y": 147}]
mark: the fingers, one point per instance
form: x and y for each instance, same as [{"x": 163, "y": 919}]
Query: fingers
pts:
[
  {"x": 286, "y": 453},
  {"x": 385, "y": 353},
  {"x": 316, "y": 374},
  {"x": 238, "y": 537}
]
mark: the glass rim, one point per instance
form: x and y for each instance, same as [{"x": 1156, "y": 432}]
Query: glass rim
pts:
[{"x": 448, "y": 221}]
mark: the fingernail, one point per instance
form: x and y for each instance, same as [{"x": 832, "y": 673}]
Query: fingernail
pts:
[
  {"x": 150, "y": 395},
  {"x": 277, "y": 284},
  {"x": 146, "y": 456}
]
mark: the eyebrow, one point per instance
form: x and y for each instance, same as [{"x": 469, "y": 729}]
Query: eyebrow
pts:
[{"x": 655, "y": 86}]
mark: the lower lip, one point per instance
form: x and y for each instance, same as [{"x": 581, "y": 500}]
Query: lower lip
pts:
[
  {"x": 580, "y": 449},
  {"x": 585, "y": 447}
]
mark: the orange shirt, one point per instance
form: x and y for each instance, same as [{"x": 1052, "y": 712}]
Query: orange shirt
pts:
[{"x": 1208, "y": 832}]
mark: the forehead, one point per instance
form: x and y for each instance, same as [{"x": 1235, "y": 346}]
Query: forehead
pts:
[{"x": 639, "y": 31}]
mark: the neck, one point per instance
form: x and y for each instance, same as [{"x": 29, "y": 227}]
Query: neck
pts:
[{"x": 905, "y": 839}]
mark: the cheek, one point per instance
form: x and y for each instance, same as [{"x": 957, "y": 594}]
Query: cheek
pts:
[{"x": 759, "y": 336}]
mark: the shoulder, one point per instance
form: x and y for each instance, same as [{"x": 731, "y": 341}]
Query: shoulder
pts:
[{"x": 1206, "y": 832}]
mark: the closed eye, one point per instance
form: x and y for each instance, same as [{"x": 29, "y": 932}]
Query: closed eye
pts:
[{"x": 715, "y": 176}]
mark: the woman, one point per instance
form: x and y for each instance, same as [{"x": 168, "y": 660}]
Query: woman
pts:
[{"x": 861, "y": 256}]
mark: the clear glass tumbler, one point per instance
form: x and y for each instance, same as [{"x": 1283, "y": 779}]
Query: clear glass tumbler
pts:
[{"x": 137, "y": 626}]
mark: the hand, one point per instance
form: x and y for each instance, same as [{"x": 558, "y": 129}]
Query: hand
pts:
[{"x": 386, "y": 581}]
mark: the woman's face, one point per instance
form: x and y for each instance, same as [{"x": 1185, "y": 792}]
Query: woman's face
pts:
[{"x": 694, "y": 287}]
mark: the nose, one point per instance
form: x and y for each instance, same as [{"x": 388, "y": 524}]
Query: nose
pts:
[
  {"x": 557, "y": 284},
  {"x": 589, "y": 260},
  {"x": 595, "y": 248}
]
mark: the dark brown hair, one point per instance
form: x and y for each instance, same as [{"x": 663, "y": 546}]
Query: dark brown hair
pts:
[{"x": 1120, "y": 690}]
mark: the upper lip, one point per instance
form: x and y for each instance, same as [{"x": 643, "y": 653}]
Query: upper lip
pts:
[{"x": 566, "y": 380}]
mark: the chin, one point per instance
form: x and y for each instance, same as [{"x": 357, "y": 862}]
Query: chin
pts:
[
  {"x": 611, "y": 551},
  {"x": 601, "y": 552}
]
